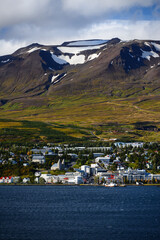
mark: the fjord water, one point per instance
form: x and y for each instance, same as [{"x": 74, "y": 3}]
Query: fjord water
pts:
[{"x": 79, "y": 212}]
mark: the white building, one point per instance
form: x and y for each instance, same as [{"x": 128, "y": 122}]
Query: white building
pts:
[
  {"x": 6, "y": 179},
  {"x": 68, "y": 178},
  {"x": 60, "y": 165},
  {"x": 26, "y": 180},
  {"x": 38, "y": 159},
  {"x": 104, "y": 160},
  {"x": 86, "y": 169}
]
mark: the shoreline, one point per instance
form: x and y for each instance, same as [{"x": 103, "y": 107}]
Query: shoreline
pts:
[{"x": 87, "y": 185}]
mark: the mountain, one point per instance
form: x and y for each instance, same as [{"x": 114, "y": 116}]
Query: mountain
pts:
[
  {"x": 110, "y": 86},
  {"x": 112, "y": 67}
]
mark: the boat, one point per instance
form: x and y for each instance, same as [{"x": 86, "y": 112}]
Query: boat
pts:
[
  {"x": 139, "y": 183},
  {"x": 111, "y": 185},
  {"x": 122, "y": 185}
]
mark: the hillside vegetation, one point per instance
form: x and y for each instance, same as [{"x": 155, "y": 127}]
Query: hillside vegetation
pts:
[{"x": 78, "y": 118}]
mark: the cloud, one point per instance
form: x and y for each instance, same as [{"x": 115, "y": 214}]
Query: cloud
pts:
[
  {"x": 18, "y": 11},
  {"x": 97, "y": 7},
  {"x": 125, "y": 30},
  {"x": 61, "y": 11},
  {"x": 8, "y": 47},
  {"x": 55, "y": 21}
]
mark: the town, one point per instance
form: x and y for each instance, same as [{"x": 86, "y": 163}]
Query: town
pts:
[{"x": 119, "y": 163}]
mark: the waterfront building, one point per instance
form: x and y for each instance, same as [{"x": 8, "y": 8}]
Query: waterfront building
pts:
[{"x": 6, "y": 179}]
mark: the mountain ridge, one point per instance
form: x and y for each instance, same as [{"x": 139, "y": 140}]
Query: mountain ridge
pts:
[{"x": 37, "y": 68}]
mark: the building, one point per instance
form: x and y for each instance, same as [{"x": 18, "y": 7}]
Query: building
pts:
[
  {"x": 60, "y": 165},
  {"x": 86, "y": 169},
  {"x": 26, "y": 180},
  {"x": 137, "y": 175},
  {"x": 134, "y": 144},
  {"x": 95, "y": 155},
  {"x": 38, "y": 159},
  {"x": 6, "y": 179},
  {"x": 68, "y": 178}
]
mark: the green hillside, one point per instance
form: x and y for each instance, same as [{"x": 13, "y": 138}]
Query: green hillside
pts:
[{"x": 82, "y": 117}]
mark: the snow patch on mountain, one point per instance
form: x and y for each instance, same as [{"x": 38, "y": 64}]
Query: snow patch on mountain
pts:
[
  {"x": 77, "y": 58},
  {"x": 74, "y": 60},
  {"x": 147, "y": 44},
  {"x": 5, "y": 61},
  {"x": 58, "y": 60},
  {"x": 157, "y": 46},
  {"x": 54, "y": 77},
  {"x": 33, "y": 49},
  {"x": 77, "y": 50},
  {"x": 87, "y": 43},
  {"x": 93, "y": 56},
  {"x": 148, "y": 55}
]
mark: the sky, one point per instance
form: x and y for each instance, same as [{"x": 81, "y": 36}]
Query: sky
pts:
[{"x": 51, "y": 22}]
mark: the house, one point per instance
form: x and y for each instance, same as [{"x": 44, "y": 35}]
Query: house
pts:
[
  {"x": 37, "y": 174},
  {"x": 6, "y": 179},
  {"x": 149, "y": 165},
  {"x": 1, "y": 179},
  {"x": 38, "y": 159},
  {"x": 25, "y": 164},
  {"x": 95, "y": 155},
  {"x": 103, "y": 159},
  {"x": 47, "y": 177},
  {"x": 58, "y": 166},
  {"x": 26, "y": 180}
]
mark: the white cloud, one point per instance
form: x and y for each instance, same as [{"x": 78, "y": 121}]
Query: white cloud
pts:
[
  {"x": 96, "y": 7},
  {"x": 23, "y": 22},
  {"x": 8, "y": 47},
  {"x": 125, "y": 30},
  {"x": 18, "y": 11}
]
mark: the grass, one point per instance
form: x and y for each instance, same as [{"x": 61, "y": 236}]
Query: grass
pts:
[{"x": 79, "y": 117}]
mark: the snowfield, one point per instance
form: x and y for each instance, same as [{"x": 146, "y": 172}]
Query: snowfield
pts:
[
  {"x": 78, "y": 57},
  {"x": 58, "y": 60},
  {"x": 87, "y": 43},
  {"x": 148, "y": 55},
  {"x": 5, "y": 61},
  {"x": 157, "y": 46},
  {"x": 33, "y": 49},
  {"x": 76, "y": 50}
]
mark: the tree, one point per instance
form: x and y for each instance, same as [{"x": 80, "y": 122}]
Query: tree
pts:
[
  {"x": 103, "y": 180},
  {"x": 41, "y": 180},
  {"x": 96, "y": 179}
]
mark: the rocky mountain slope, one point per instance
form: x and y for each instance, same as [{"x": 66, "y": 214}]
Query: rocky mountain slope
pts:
[{"x": 110, "y": 67}]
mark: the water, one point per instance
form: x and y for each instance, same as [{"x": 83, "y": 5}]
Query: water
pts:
[{"x": 79, "y": 212}]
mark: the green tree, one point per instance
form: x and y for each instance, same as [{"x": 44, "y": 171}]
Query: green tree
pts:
[
  {"x": 41, "y": 180},
  {"x": 96, "y": 179}
]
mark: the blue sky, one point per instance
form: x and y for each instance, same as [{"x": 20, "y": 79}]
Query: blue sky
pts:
[{"x": 23, "y": 22}]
